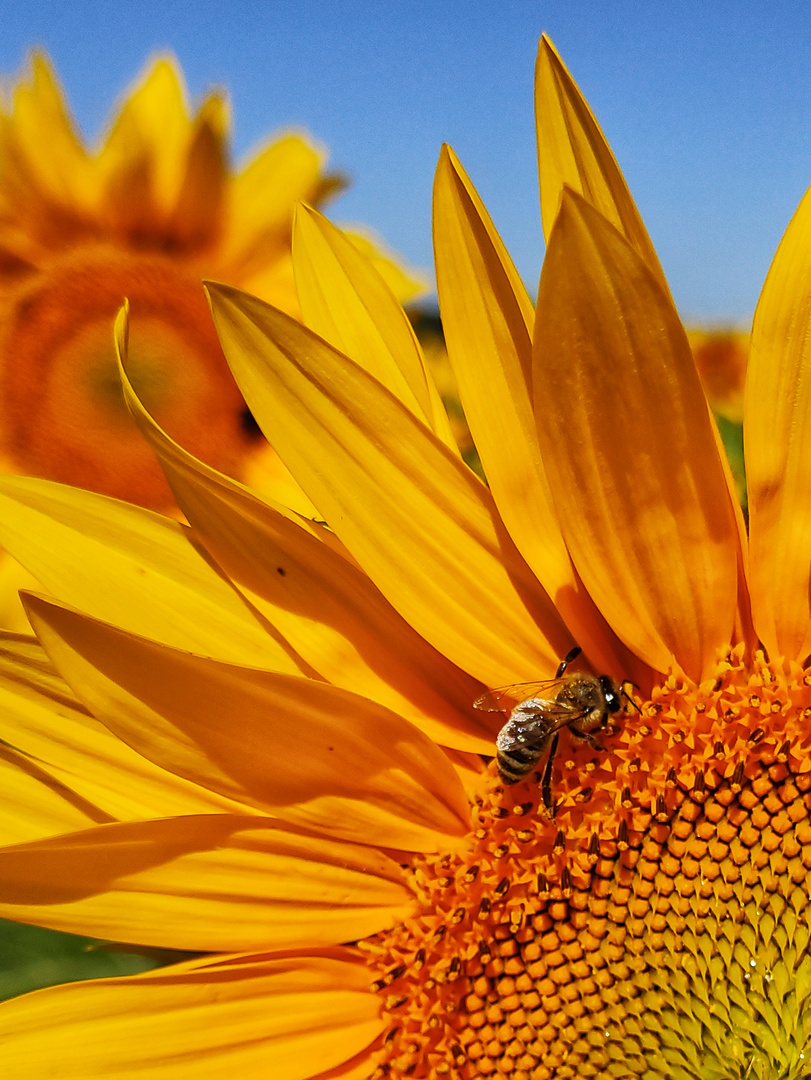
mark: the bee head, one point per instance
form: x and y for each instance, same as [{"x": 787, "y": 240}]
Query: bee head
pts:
[{"x": 611, "y": 693}]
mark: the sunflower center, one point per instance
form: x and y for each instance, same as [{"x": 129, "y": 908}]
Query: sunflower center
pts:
[
  {"x": 62, "y": 412},
  {"x": 658, "y": 927}
]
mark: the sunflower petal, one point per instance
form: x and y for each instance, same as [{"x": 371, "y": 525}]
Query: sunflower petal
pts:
[
  {"x": 33, "y": 805},
  {"x": 144, "y": 155},
  {"x": 573, "y": 152},
  {"x": 418, "y": 521},
  {"x": 41, "y": 118},
  {"x": 289, "y": 1019},
  {"x": 326, "y": 608},
  {"x": 344, "y": 299},
  {"x": 777, "y": 434},
  {"x": 132, "y": 567},
  {"x": 210, "y": 883},
  {"x": 260, "y": 198},
  {"x": 198, "y": 211},
  {"x": 406, "y": 282},
  {"x": 629, "y": 448},
  {"x": 75, "y": 758},
  {"x": 279, "y": 743},
  {"x": 488, "y": 318}
]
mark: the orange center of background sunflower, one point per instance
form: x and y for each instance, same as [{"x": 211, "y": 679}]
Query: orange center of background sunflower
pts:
[
  {"x": 62, "y": 413},
  {"x": 659, "y": 926}
]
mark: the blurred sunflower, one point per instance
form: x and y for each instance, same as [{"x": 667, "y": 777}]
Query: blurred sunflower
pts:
[
  {"x": 266, "y": 748},
  {"x": 149, "y": 213},
  {"x": 721, "y": 356}
]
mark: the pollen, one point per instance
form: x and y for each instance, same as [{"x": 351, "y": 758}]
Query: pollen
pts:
[{"x": 657, "y": 927}]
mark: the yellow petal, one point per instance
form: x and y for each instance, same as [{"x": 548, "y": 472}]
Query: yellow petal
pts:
[
  {"x": 132, "y": 567},
  {"x": 404, "y": 281},
  {"x": 13, "y": 578},
  {"x": 285, "y": 1019},
  {"x": 629, "y": 448},
  {"x": 777, "y": 434},
  {"x": 41, "y": 120},
  {"x": 149, "y": 140},
  {"x": 418, "y": 521},
  {"x": 34, "y": 805},
  {"x": 75, "y": 757},
  {"x": 488, "y": 319},
  {"x": 213, "y": 883},
  {"x": 266, "y": 474},
  {"x": 301, "y": 750},
  {"x": 345, "y": 300},
  {"x": 196, "y": 217},
  {"x": 273, "y": 280},
  {"x": 572, "y": 150},
  {"x": 324, "y": 606},
  {"x": 259, "y": 211}
]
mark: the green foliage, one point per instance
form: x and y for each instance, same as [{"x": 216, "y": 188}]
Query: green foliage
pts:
[
  {"x": 31, "y": 958},
  {"x": 732, "y": 438}
]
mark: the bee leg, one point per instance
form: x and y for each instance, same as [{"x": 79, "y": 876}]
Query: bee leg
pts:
[
  {"x": 546, "y": 779},
  {"x": 586, "y": 736}
]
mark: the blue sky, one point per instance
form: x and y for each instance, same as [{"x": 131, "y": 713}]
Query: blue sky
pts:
[{"x": 707, "y": 106}]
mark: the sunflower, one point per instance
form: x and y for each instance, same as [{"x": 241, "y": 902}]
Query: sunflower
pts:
[
  {"x": 252, "y": 736},
  {"x": 721, "y": 355},
  {"x": 149, "y": 213}
]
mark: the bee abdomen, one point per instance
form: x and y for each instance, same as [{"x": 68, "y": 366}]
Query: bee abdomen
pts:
[
  {"x": 519, "y": 744},
  {"x": 516, "y": 764}
]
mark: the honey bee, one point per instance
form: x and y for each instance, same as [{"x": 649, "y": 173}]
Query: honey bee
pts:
[{"x": 580, "y": 702}]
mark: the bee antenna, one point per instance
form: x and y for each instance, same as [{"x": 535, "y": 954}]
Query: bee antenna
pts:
[{"x": 572, "y": 655}]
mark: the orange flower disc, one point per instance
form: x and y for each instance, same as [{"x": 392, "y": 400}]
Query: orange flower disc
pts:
[
  {"x": 62, "y": 409},
  {"x": 669, "y": 895}
]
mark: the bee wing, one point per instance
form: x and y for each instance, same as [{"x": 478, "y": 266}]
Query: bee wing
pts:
[
  {"x": 533, "y": 723},
  {"x": 505, "y": 698},
  {"x": 559, "y": 714}
]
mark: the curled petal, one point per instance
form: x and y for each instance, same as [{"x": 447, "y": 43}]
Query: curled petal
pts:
[
  {"x": 301, "y": 579},
  {"x": 419, "y": 522}
]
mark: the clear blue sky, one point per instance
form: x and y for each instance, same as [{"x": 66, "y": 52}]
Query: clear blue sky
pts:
[{"x": 706, "y": 104}]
